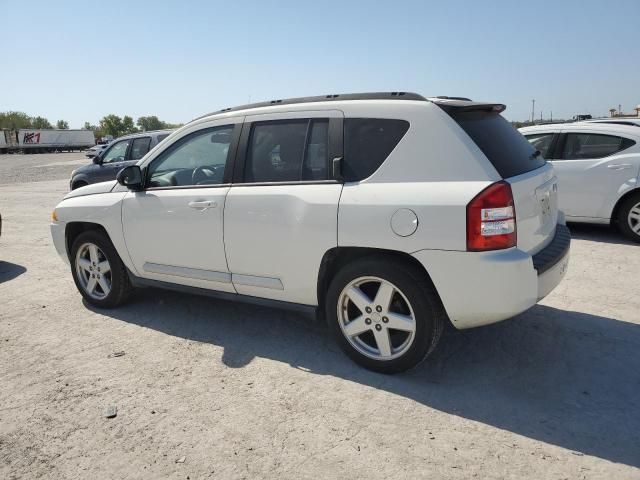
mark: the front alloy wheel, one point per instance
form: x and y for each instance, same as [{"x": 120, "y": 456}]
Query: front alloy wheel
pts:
[{"x": 93, "y": 271}]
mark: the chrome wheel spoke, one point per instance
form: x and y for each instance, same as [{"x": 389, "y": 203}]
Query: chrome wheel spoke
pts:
[
  {"x": 84, "y": 264},
  {"x": 91, "y": 285},
  {"x": 383, "y": 342},
  {"x": 104, "y": 285},
  {"x": 356, "y": 327},
  {"x": 401, "y": 322},
  {"x": 358, "y": 298},
  {"x": 104, "y": 267},
  {"x": 384, "y": 295},
  {"x": 93, "y": 254}
]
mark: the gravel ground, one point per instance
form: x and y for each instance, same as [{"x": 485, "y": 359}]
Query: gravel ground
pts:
[
  {"x": 18, "y": 168},
  {"x": 213, "y": 389}
]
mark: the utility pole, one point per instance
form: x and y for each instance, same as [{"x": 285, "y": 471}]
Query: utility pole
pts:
[
  {"x": 551, "y": 118},
  {"x": 541, "y": 115},
  {"x": 533, "y": 107}
]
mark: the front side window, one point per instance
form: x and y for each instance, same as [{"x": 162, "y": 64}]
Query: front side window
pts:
[
  {"x": 288, "y": 151},
  {"x": 541, "y": 142},
  {"x": 580, "y": 146},
  {"x": 117, "y": 152},
  {"x": 139, "y": 148},
  {"x": 367, "y": 144},
  {"x": 198, "y": 159}
]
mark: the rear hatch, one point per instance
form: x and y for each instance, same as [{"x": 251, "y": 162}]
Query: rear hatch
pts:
[{"x": 532, "y": 179}]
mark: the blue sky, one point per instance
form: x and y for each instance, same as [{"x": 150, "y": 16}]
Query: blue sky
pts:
[{"x": 82, "y": 60}]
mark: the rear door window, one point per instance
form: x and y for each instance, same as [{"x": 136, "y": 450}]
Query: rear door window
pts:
[
  {"x": 367, "y": 144},
  {"x": 287, "y": 151},
  {"x": 139, "y": 148},
  {"x": 580, "y": 146},
  {"x": 509, "y": 152}
]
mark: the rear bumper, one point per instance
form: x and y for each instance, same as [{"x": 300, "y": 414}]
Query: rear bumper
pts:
[{"x": 479, "y": 288}]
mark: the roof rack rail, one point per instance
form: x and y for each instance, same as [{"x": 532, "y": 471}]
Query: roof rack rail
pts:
[{"x": 325, "y": 98}]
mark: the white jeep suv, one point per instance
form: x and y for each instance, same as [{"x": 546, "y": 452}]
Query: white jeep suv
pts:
[{"x": 389, "y": 213}]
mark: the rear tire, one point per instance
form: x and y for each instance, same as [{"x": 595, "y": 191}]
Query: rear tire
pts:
[
  {"x": 386, "y": 336},
  {"x": 629, "y": 217},
  {"x": 79, "y": 184},
  {"x": 97, "y": 270}
]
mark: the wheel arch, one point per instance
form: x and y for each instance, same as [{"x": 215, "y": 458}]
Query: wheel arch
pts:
[
  {"x": 620, "y": 201},
  {"x": 73, "y": 229},
  {"x": 337, "y": 257}
]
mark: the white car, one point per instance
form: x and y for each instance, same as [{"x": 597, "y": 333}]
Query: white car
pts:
[
  {"x": 389, "y": 213},
  {"x": 598, "y": 169}
]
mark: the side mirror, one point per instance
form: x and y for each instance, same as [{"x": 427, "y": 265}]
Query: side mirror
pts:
[
  {"x": 96, "y": 159},
  {"x": 130, "y": 177}
]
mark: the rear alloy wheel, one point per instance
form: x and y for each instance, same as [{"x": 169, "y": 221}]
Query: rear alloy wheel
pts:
[
  {"x": 378, "y": 325},
  {"x": 386, "y": 316},
  {"x": 629, "y": 217}
]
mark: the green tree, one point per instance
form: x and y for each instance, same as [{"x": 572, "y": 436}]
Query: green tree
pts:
[
  {"x": 40, "y": 122},
  {"x": 112, "y": 125},
  {"x": 62, "y": 125},
  {"x": 127, "y": 125},
  {"x": 14, "y": 120},
  {"x": 150, "y": 123}
]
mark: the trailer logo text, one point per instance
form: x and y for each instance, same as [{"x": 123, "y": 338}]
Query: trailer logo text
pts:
[{"x": 32, "y": 137}]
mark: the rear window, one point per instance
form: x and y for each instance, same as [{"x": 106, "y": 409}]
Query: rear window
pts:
[
  {"x": 367, "y": 143},
  {"x": 509, "y": 152}
]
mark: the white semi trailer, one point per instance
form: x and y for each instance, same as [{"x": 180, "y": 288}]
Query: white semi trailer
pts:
[{"x": 30, "y": 140}]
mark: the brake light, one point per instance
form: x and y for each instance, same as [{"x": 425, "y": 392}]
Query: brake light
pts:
[{"x": 491, "y": 219}]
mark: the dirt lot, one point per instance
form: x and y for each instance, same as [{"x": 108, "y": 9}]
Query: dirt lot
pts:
[{"x": 211, "y": 389}]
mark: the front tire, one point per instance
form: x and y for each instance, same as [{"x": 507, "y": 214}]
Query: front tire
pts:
[
  {"x": 98, "y": 272},
  {"x": 629, "y": 217},
  {"x": 385, "y": 315}
]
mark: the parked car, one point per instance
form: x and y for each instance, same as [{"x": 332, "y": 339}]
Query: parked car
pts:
[
  {"x": 634, "y": 122},
  {"x": 598, "y": 168},
  {"x": 95, "y": 150},
  {"x": 389, "y": 213},
  {"x": 118, "y": 154}
]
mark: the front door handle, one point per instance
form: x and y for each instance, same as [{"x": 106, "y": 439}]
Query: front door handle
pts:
[
  {"x": 203, "y": 205},
  {"x": 619, "y": 166}
]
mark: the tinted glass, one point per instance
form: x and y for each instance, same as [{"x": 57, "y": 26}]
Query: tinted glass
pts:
[
  {"x": 275, "y": 151},
  {"x": 200, "y": 159},
  {"x": 579, "y": 146},
  {"x": 117, "y": 152},
  {"x": 315, "y": 158},
  {"x": 541, "y": 142},
  {"x": 367, "y": 144},
  {"x": 509, "y": 152},
  {"x": 139, "y": 148},
  {"x": 162, "y": 137}
]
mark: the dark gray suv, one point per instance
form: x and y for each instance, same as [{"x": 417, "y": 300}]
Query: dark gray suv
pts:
[{"x": 122, "y": 152}]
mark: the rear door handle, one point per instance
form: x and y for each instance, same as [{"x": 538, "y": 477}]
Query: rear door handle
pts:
[
  {"x": 619, "y": 166},
  {"x": 204, "y": 204}
]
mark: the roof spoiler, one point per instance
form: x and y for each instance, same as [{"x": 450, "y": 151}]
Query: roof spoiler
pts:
[{"x": 452, "y": 106}]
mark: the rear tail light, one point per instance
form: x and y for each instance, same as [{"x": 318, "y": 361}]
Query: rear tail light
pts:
[{"x": 491, "y": 219}]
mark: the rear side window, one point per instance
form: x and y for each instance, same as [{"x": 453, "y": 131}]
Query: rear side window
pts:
[
  {"x": 367, "y": 144},
  {"x": 579, "y": 146},
  {"x": 541, "y": 142},
  {"x": 139, "y": 148},
  {"x": 288, "y": 151},
  {"x": 162, "y": 137},
  {"x": 509, "y": 152}
]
